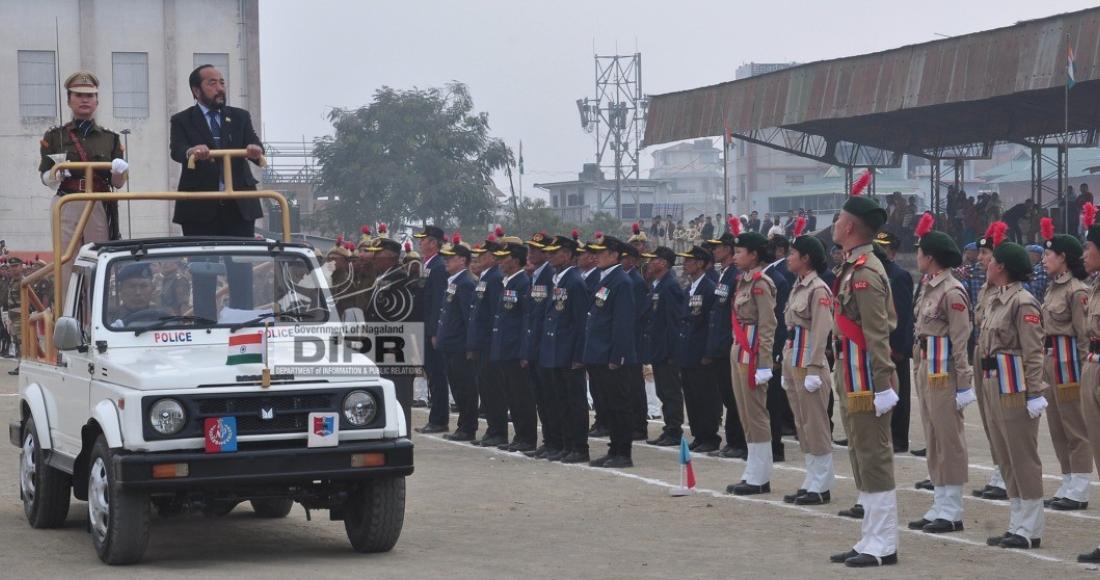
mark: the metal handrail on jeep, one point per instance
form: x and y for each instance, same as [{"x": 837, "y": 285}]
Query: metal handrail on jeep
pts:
[{"x": 28, "y": 297}]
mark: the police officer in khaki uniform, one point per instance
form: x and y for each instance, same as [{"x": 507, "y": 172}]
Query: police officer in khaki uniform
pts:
[
  {"x": 865, "y": 379},
  {"x": 1010, "y": 349},
  {"x": 753, "y": 319},
  {"x": 943, "y": 375},
  {"x": 809, "y": 319},
  {"x": 82, "y": 139},
  {"x": 1065, "y": 311},
  {"x": 1090, "y": 374},
  {"x": 994, "y": 235}
]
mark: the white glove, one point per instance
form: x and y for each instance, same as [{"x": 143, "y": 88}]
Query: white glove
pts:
[
  {"x": 884, "y": 401},
  {"x": 964, "y": 398},
  {"x": 763, "y": 376},
  {"x": 119, "y": 166},
  {"x": 1035, "y": 406},
  {"x": 813, "y": 383},
  {"x": 51, "y": 180}
]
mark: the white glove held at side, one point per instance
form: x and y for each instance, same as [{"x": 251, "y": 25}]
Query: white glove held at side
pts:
[
  {"x": 884, "y": 401},
  {"x": 763, "y": 376},
  {"x": 119, "y": 166},
  {"x": 1035, "y": 406},
  {"x": 964, "y": 398},
  {"x": 813, "y": 383}
]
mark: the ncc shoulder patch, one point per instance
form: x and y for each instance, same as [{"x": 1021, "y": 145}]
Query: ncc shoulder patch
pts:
[
  {"x": 1032, "y": 318},
  {"x": 757, "y": 291},
  {"x": 861, "y": 285},
  {"x": 825, "y": 301},
  {"x": 958, "y": 306},
  {"x": 1084, "y": 299}
]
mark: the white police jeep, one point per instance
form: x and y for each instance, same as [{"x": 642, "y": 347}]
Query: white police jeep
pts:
[{"x": 152, "y": 389}]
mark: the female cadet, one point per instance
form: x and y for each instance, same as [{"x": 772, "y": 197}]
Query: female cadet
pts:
[
  {"x": 1010, "y": 349},
  {"x": 943, "y": 375},
  {"x": 753, "y": 321},
  {"x": 1065, "y": 308},
  {"x": 1090, "y": 375},
  {"x": 809, "y": 319}
]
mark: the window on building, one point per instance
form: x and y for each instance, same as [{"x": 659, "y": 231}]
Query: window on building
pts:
[
  {"x": 37, "y": 84},
  {"x": 130, "y": 80},
  {"x": 220, "y": 60},
  {"x": 795, "y": 179},
  {"x": 576, "y": 199}
]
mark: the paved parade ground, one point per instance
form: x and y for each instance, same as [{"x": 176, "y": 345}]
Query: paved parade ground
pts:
[{"x": 475, "y": 513}]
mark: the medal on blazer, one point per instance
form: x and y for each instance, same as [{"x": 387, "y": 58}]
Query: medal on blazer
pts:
[
  {"x": 560, "y": 296},
  {"x": 722, "y": 291},
  {"x": 480, "y": 289},
  {"x": 538, "y": 293},
  {"x": 696, "y": 304},
  {"x": 509, "y": 299},
  {"x": 601, "y": 296},
  {"x": 451, "y": 289}
]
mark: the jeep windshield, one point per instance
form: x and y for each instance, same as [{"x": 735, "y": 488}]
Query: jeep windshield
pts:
[{"x": 227, "y": 289}]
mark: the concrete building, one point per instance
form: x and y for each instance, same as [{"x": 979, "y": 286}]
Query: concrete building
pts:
[
  {"x": 142, "y": 52},
  {"x": 577, "y": 201},
  {"x": 693, "y": 171}
]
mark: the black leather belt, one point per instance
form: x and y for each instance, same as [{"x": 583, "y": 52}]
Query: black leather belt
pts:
[
  {"x": 989, "y": 364},
  {"x": 1094, "y": 346}
]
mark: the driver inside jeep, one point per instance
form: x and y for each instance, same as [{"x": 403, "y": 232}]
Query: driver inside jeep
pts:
[{"x": 135, "y": 292}]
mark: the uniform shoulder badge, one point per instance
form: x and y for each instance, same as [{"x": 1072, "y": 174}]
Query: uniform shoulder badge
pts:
[{"x": 860, "y": 261}]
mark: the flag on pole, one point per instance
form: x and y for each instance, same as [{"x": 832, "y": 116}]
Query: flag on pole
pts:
[
  {"x": 1071, "y": 77},
  {"x": 687, "y": 474},
  {"x": 245, "y": 348},
  {"x": 520, "y": 158}
]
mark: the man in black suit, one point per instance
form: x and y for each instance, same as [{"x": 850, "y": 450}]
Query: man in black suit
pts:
[
  {"x": 434, "y": 274},
  {"x": 210, "y": 124}
]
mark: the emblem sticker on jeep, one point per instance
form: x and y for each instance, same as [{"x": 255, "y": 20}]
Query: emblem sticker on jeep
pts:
[
  {"x": 220, "y": 434},
  {"x": 324, "y": 430}
]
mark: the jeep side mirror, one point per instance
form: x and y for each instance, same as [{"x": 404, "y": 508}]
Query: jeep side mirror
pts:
[{"x": 66, "y": 334}]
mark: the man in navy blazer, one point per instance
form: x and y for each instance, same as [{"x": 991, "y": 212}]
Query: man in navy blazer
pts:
[
  {"x": 506, "y": 347},
  {"x": 779, "y": 408},
  {"x": 667, "y": 301},
  {"x": 542, "y": 282},
  {"x": 639, "y": 406},
  {"x": 560, "y": 352},
  {"x": 479, "y": 335},
  {"x": 704, "y": 404},
  {"x": 610, "y": 346},
  {"x": 434, "y": 275},
  {"x": 450, "y": 338},
  {"x": 590, "y": 273},
  {"x": 716, "y": 354}
]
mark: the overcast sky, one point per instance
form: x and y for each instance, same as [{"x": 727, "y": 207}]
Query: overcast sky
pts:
[{"x": 528, "y": 62}]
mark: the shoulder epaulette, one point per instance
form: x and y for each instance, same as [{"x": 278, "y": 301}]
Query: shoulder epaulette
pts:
[
  {"x": 757, "y": 276},
  {"x": 860, "y": 261}
]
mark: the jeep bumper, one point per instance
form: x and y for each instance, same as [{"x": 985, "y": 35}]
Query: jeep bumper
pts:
[{"x": 296, "y": 466}]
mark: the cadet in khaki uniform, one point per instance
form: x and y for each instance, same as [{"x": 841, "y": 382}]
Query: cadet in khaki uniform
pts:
[
  {"x": 1090, "y": 375},
  {"x": 865, "y": 378},
  {"x": 943, "y": 375},
  {"x": 994, "y": 235},
  {"x": 1010, "y": 349},
  {"x": 1065, "y": 311},
  {"x": 809, "y": 319},
  {"x": 753, "y": 319}
]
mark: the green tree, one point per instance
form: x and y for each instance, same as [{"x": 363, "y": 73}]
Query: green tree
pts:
[{"x": 409, "y": 157}]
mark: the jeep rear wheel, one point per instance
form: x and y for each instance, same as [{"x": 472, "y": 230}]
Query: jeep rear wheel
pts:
[
  {"x": 272, "y": 508},
  {"x": 119, "y": 519},
  {"x": 43, "y": 489},
  {"x": 374, "y": 515}
]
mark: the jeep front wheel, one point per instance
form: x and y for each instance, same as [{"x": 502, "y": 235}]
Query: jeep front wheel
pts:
[
  {"x": 119, "y": 519},
  {"x": 44, "y": 489},
  {"x": 374, "y": 515}
]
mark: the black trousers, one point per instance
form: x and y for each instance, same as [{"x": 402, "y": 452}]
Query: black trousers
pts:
[
  {"x": 548, "y": 403},
  {"x": 491, "y": 395},
  {"x": 599, "y": 403},
  {"x": 670, "y": 391},
  {"x": 723, "y": 380},
  {"x": 615, "y": 385},
  {"x": 239, "y": 276},
  {"x": 572, "y": 399},
  {"x": 704, "y": 404},
  {"x": 520, "y": 399},
  {"x": 779, "y": 408},
  {"x": 435, "y": 366},
  {"x": 462, "y": 377},
  {"x": 899, "y": 422},
  {"x": 639, "y": 403}
]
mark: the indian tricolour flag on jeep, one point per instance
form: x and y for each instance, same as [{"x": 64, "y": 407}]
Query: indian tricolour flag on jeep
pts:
[{"x": 246, "y": 348}]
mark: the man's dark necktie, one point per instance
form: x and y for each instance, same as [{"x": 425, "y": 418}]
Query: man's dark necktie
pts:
[{"x": 215, "y": 128}]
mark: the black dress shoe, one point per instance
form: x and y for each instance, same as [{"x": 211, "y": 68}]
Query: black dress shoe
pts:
[
  {"x": 599, "y": 431},
  {"x": 692, "y": 445},
  {"x": 418, "y": 404},
  {"x": 901, "y": 449},
  {"x": 1092, "y": 557},
  {"x": 429, "y": 429},
  {"x": 576, "y": 457},
  {"x": 920, "y": 452},
  {"x": 869, "y": 561},
  {"x": 522, "y": 447},
  {"x": 842, "y": 557},
  {"x": 706, "y": 448},
  {"x": 506, "y": 446},
  {"x": 840, "y": 442},
  {"x": 665, "y": 441},
  {"x": 640, "y": 436},
  {"x": 925, "y": 484},
  {"x": 749, "y": 489},
  {"x": 1046, "y": 502},
  {"x": 794, "y": 496},
  {"x": 537, "y": 453},
  {"x": 733, "y": 486},
  {"x": 981, "y": 491},
  {"x": 778, "y": 457},
  {"x": 854, "y": 512},
  {"x": 1066, "y": 504},
  {"x": 996, "y": 493},
  {"x": 618, "y": 462},
  {"x": 493, "y": 441},
  {"x": 1020, "y": 543},
  {"x": 459, "y": 436},
  {"x": 996, "y": 540},
  {"x": 919, "y": 524},
  {"x": 941, "y": 526},
  {"x": 554, "y": 455},
  {"x": 14, "y": 372},
  {"x": 599, "y": 461},
  {"x": 814, "y": 498}
]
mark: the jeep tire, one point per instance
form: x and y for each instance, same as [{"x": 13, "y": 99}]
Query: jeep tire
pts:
[
  {"x": 118, "y": 518},
  {"x": 272, "y": 508},
  {"x": 374, "y": 515},
  {"x": 45, "y": 490}
]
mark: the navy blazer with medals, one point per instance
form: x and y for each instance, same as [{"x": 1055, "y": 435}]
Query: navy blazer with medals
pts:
[
  {"x": 719, "y": 328},
  {"x": 434, "y": 273},
  {"x": 780, "y": 275},
  {"x": 510, "y": 318},
  {"x": 541, "y": 287},
  {"x": 562, "y": 340},
  {"x": 479, "y": 330},
  {"x": 454, "y": 313},
  {"x": 694, "y": 320},
  {"x": 592, "y": 282},
  {"x": 667, "y": 300},
  {"x": 610, "y": 328}
]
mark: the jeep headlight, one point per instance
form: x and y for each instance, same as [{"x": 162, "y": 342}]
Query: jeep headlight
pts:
[
  {"x": 360, "y": 408},
  {"x": 167, "y": 416}
]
